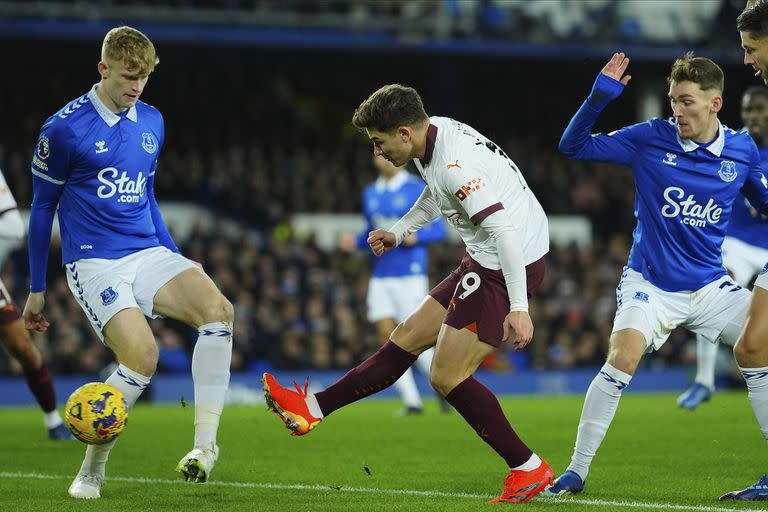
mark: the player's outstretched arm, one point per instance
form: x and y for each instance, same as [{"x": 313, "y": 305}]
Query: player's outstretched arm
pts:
[
  {"x": 33, "y": 312},
  {"x": 577, "y": 140}
]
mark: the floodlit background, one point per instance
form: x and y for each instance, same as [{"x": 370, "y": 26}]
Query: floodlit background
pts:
[{"x": 261, "y": 175}]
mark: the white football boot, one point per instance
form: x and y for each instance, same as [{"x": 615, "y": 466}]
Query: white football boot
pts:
[
  {"x": 196, "y": 466},
  {"x": 86, "y": 486}
]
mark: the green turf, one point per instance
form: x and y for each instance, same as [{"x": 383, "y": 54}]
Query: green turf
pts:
[{"x": 654, "y": 453}]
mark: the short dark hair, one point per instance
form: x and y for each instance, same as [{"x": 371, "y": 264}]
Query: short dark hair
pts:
[
  {"x": 754, "y": 20},
  {"x": 389, "y": 107},
  {"x": 699, "y": 70},
  {"x": 757, "y": 90}
]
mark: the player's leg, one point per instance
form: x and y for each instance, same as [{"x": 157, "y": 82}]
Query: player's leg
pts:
[
  {"x": 193, "y": 298},
  {"x": 704, "y": 384},
  {"x": 103, "y": 290},
  {"x": 16, "y": 341},
  {"x": 743, "y": 261},
  {"x": 751, "y": 354},
  {"x": 600, "y": 404},
  {"x": 644, "y": 318},
  {"x": 129, "y": 336},
  {"x": 458, "y": 354},
  {"x": 730, "y": 308},
  {"x": 383, "y": 303},
  {"x": 418, "y": 287},
  {"x": 301, "y": 412},
  {"x": 406, "y": 384}
]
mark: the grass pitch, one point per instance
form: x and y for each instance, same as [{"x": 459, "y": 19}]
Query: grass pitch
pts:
[{"x": 362, "y": 458}]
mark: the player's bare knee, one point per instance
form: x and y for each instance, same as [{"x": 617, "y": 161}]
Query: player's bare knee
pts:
[
  {"x": 145, "y": 360},
  {"x": 443, "y": 381},
  {"x": 751, "y": 350},
  {"x": 217, "y": 310},
  {"x": 623, "y": 360},
  {"x": 410, "y": 337}
]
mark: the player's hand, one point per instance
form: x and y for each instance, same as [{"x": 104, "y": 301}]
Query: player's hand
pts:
[
  {"x": 410, "y": 240},
  {"x": 33, "y": 312},
  {"x": 521, "y": 328},
  {"x": 381, "y": 241},
  {"x": 616, "y": 67}
]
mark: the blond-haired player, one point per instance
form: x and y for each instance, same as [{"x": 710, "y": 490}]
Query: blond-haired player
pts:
[{"x": 96, "y": 160}]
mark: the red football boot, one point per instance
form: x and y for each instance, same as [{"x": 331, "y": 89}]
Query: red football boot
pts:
[
  {"x": 290, "y": 405},
  {"x": 521, "y": 486}
]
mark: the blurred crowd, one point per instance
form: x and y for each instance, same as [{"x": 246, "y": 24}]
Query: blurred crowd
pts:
[
  {"x": 297, "y": 306},
  {"x": 629, "y": 21},
  {"x": 283, "y": 144}
]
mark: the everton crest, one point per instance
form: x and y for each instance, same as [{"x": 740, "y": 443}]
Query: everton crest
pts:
[
  {"x": 108, "y": 296},
  {"x": 148, "y": 142},
  {"x": 727, "y": 171}
]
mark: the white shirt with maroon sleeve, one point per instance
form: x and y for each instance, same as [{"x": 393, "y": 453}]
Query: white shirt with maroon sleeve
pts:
[{"x": 471, "y": 178}]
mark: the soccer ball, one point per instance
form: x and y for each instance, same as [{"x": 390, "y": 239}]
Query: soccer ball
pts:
[{"x": 96, "y": 413}]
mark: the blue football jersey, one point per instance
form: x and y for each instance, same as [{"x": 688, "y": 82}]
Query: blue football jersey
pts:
[
  {"x": 98, "y": 167},
  {"x": 383, "y": 205},
  {"x": 684, "y": 191},
  {"x": 748, "y": 228}
]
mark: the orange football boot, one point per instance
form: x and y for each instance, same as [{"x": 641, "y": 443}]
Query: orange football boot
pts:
[
  {"x": 521, "y": 486},
  {"x": 289, "y": 405}
]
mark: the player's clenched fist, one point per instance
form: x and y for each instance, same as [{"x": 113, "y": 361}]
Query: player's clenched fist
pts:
[
  {"x": 381, "y": 241},
  {"x": 33, "y": 313}
]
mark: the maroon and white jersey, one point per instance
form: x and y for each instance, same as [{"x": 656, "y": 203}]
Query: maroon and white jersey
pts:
[
  {"x": 470, "y": 178},
  {"x": 11, "y": 224},
  {"x": 7, "y": 201}
]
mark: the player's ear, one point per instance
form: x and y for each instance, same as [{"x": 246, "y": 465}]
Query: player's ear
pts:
[
  {"x": 103, "y": 69},
  {"x": 404, "y": 132},
  {"x": 717, "y": 103}
]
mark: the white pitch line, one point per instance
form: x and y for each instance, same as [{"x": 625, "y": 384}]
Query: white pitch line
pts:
[{"x": 373, "y": 490}]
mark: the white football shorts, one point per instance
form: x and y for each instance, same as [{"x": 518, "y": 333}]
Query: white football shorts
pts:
[
  {"x": 105, "y": 287},
  {"x": 717, "y": 311},
  {"x": 395, "y": 297},
  {"x": 744, "y": 261}
]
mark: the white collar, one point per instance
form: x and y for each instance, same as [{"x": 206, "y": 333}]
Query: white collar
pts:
[
  {"x": 716, "y": 148},
  {"x": 392, "y": 184},
  {"x": 107, "y": 115}
]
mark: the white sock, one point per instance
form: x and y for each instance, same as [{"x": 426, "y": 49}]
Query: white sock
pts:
[
  {"x": 211, "y": 360},
  {"x": 706, "y": 356},
  {"x": 757, "y": 387},
  {"x": 313, "y": 406},
  {"x": 529, "y": 465},
  {"x": 406, "y": 386},
  {"x": 600, "y": 406},
  {"x": 132, "y": 384},
  {"x": 52, "y": 419},
  {"x": 424, "y": 362}
]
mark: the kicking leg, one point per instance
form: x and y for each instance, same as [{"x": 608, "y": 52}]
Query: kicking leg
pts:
[
  {"x": 302, "y": 412},
  {"x": 406, "y": 384}
]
